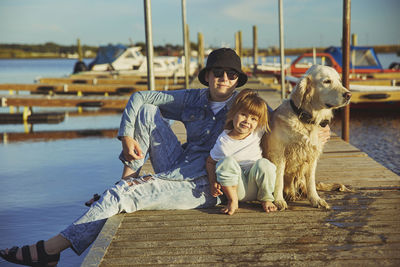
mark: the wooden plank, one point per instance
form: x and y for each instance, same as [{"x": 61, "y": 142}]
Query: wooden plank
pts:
[
  {"x": 356, "y": 229},
  {"x": 57, "y": 135},
  {"x": 379, "y": 96},
  {"x": 99, "y": 81},
  {"x": 118, "y": 75},
  {"x": 384, "y": 82},
  {"x": 84, "y": 88},
  {"x": 337, "y": 145},
  {"x": 17, "y": 118},
  {"x": 385, "y": 75},
  {"x": 63, "y": 101}
]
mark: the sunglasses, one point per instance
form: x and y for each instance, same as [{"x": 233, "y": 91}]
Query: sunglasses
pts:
[{"x": 219, "y": 72}]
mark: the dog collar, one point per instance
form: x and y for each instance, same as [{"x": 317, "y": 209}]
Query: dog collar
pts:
[{"x": 305, "y": 116}]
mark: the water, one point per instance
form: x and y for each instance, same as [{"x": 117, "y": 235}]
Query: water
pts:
[
  {"x": 44, "y": 184},
  {"x": 377, "y": 133}
]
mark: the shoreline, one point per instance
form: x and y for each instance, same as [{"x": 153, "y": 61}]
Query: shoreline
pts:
[{"x": 18, "y": 53}]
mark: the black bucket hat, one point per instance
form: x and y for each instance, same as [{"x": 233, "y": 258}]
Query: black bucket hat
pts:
[{"x": 223, "y": 58}]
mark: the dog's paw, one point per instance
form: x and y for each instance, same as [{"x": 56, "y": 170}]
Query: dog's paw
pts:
[
  {"x": 319, "y": 203},
  {"x": 290, "y": 194},
  {"x": 281, "y": 204}
]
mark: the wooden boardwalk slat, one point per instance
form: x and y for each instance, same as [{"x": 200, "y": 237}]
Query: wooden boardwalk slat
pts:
[
  {"x": 85, "y": 88},
  {"x": 98, "y": 81},
  {"x": 57, "y": 135},
  {"x": 114, "y": 102},
  {"x": 377, "y": 96},
  {"x": 119, "y": 75},
  {"x": 347, "y": 234},
  {"x": 361, "y": 229}
]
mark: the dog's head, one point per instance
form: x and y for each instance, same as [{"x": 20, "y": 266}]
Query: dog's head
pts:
[{"x": 320, "y": 88}]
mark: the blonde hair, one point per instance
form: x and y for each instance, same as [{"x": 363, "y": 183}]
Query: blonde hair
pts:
[{"x": 249, "y": 101}]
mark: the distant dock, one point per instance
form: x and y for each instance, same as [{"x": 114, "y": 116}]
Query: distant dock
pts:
[{"x": 362, "y": 229}]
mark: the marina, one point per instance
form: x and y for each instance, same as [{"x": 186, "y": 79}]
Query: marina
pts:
[
  {"x": 80, "y": 155},
  {"x": 61, "y": 106}
]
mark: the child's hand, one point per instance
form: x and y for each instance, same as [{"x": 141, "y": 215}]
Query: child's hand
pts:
[
  {"x": 215, "y": 189},
  {"x": 324, "y": 134}
]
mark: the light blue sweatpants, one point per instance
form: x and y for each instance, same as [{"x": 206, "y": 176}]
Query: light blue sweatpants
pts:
[{"x": 256, "y": 183}]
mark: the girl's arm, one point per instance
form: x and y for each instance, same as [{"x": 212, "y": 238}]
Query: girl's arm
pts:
[{"x": 215, "y": 187}]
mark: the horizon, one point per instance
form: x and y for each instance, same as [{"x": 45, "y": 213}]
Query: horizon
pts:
[{"x": 307, "y": 23}]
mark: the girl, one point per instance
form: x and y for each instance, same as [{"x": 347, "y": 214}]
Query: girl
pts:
[{"x": 235, "y": 164}]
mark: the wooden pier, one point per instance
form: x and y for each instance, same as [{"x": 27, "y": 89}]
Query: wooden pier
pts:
[
  {"x": 113, "y": 102},
  {"x": 56, "y": 88},
  {"x": 131, "y": 80},
  {"x": 47, "y": 136},
  {"x": 361, "y": 229}
]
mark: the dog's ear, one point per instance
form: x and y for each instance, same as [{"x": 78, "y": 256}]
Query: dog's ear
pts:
[{"x": 302, "y": 92}]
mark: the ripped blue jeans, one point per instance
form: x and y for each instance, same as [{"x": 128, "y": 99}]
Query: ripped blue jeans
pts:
[{"x": 146, "y": 193}]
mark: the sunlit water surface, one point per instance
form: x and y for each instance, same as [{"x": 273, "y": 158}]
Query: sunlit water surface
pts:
[{"x": 43, "y": 185}]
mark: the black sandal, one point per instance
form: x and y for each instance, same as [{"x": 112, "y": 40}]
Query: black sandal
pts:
[
  {"x": 43, "y": 257},
  {"x": 91, "y": 201}
]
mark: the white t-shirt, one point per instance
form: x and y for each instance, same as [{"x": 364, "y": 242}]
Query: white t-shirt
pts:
[{"x": 246, "y": 151}]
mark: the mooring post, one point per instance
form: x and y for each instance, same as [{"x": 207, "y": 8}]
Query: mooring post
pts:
[
  {"x": 353, "y": 53},
  {"x": 240, "y": 44},
  {"x": 237, "y": 43},
  {"x": 282, "y": 48},
  {"x": 189, "y": 54},
  {"x": 149, "y": 45},
  {"x": 79, "y": 48},
  {"x": 346, "y": 65},
  {"x": 185, "y": 43},
  {"x": 255, "y": 49},
  {"x": 200, "y": 52}
]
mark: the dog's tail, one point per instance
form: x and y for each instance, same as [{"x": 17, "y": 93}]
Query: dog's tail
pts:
[{"x": 333, "y": 187}]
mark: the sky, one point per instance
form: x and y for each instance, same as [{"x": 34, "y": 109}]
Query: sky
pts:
[{"x": 307, "y": 23}]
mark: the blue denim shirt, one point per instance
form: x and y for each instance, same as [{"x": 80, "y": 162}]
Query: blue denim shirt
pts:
[{"x": 190, "y": 106}]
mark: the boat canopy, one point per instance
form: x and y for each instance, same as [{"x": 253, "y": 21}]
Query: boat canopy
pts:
[
  {"x": 361, "y": 57},
  {"x": 109, "y": 53}
]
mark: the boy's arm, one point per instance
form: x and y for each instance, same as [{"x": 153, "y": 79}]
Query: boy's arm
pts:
[{"x": 212, "y": 178}]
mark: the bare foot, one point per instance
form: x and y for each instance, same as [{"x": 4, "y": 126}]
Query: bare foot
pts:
[
  {"x": 231, "y": 207},
  {"x": 268, "y": 206}
]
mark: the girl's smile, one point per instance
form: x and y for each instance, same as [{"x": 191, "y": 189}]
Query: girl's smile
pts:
[{"x": 244, "y": 124}]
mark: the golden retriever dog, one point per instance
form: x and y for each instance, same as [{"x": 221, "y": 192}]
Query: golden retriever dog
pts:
[{"x": 293, "y": 144}]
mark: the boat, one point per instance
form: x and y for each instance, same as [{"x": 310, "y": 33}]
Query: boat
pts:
[
  {"x": 122, "y": 60},
  {"x": 117, "y": 57},
  {"x": 270, "y": 67},
  {"x": 363, "y": 63}
]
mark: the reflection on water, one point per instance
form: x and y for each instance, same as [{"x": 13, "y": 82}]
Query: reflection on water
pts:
[{"x": 43, "y": 186}]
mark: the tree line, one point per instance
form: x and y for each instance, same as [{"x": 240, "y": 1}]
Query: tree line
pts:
[{"x": 51, "y": 49}]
